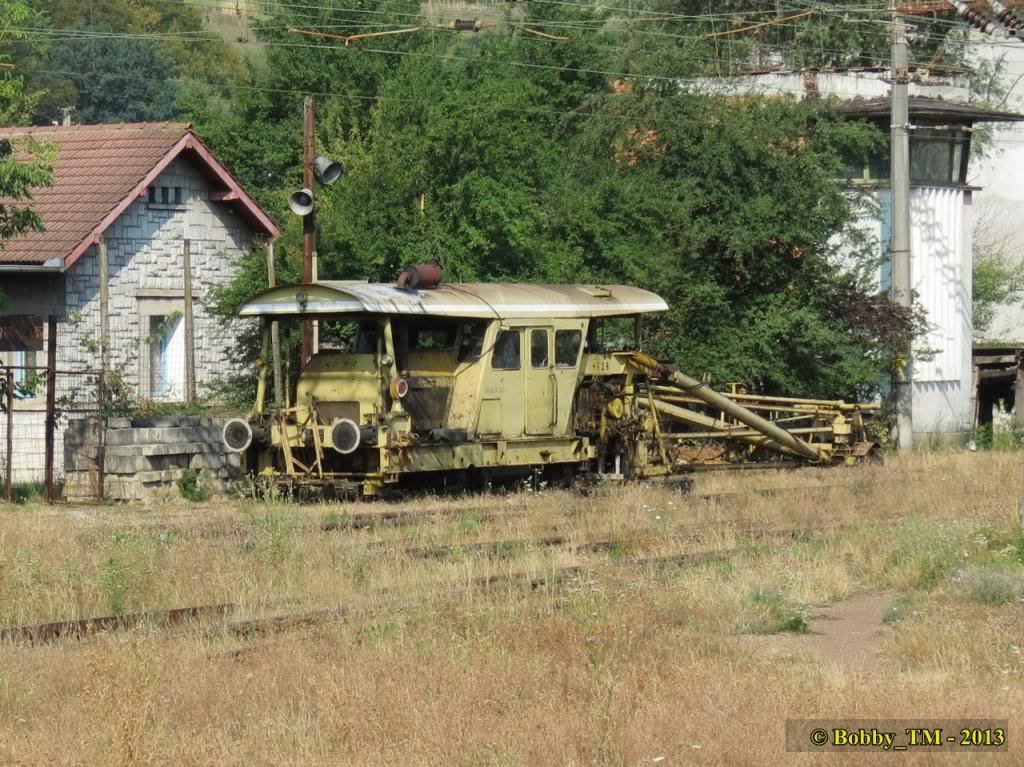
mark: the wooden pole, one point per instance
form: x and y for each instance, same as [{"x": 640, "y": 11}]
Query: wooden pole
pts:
[
  {"x": 51, "y": 404},
  {"x": 8, "y": 469},
  {"x": 275, "y": 334},
  {"x": 308, "y": 222},
  {"x": 190, "y": 338},
  {"x": 101, "y": 253}
]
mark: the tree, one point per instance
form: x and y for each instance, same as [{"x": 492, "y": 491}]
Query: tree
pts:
[
  {"x": 23, "y": 167},
  {"x": 511, "y": 157},
  {"x": 18, "y": 97},
  {"x": 116, "y": 79},
  {"x": 998, "y": 279}
]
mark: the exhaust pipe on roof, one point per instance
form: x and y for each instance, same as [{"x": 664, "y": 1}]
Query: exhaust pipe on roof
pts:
[{"x": 420, "y": 276}]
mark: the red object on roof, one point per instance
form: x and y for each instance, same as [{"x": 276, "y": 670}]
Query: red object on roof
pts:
[{"x": 100, "y": 171}]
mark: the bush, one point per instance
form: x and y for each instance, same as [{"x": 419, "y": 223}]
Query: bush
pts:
[{"x": 191, "y": 487}]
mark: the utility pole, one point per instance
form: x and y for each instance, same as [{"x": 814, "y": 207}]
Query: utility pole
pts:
[
  {"x": 899, "y": 251},
  {"x": 308, "y": 222}
]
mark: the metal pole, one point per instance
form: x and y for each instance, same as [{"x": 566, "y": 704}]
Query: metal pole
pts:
[
  {"x": 51, "y": 403},
  {"x": 190, "y": 338},
  {"x": 8, "y": 469},
  {"x": 275, "y": 334},
  {"x": 308, "y": 222},
  {"x": 101, "y": 253},
  {"x": 899, "y": 250}
]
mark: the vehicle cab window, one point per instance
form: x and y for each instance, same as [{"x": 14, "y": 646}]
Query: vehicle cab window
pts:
[{"x": 505, "y": 355}]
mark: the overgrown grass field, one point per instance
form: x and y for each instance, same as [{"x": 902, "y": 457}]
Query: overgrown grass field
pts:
[{"x": 487, "y": 633}]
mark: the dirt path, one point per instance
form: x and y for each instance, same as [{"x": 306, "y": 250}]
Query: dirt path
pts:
[{"x": 847, "y": 635}]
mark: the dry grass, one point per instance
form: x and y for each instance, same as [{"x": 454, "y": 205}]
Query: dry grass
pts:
[{"x": 617, "y": 663}]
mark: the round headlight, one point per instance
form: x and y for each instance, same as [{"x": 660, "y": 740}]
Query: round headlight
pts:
[
  {"x": 237, "y": 435},
  {"x": 345, "y": 436}
]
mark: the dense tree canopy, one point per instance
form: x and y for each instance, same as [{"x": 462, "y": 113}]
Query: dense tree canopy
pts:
[{"x": 561, "y": 142}]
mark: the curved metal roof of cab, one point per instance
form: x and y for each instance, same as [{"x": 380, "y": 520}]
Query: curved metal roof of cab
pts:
[{"x": 472, "y": 300}]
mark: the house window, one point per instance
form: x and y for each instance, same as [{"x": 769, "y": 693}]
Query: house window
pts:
[
  {"x": 152, "y": 195},
  {"x": 938, "y": 157},
  {"x": 21, "y": 342},
  {"x": 165, "y": 195},
  {"x": 177, "y": 195},
  {"x": 166, "y": 356},
  {"x": 28, "y": 382}
]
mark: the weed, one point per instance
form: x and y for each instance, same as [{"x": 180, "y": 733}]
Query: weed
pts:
[
  {"x": 124, "y": 575},
  {"x": 776, "y": 614},
  {"x": 191, "y": 488},
  {"x": 26, "y": 492},
  {"x": 469, "y": 522},
  {"x": 924, "y": 556},
  {"x": 987, "y": 587},
  {"x": 902, "y": 607}
]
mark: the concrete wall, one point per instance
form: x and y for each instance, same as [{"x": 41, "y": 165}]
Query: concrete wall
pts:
[{"x": 145, "y": 458}]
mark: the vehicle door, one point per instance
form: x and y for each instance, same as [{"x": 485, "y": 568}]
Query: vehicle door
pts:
[{"x": 541, "y": 405}]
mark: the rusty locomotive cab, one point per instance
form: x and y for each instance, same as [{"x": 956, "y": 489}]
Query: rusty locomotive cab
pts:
[{"x": 423, "y": 382}]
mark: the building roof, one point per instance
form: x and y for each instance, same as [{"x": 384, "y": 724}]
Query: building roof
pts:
[
  {"x": 924, "y": 108},
  {"x": 467, "y": 300},
  {"x": 99, "y": 171}
]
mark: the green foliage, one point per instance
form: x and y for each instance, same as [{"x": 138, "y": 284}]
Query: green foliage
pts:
[
  {"x": 26, "y": 492},
  {"x": 18, "y": 97},
  {"x": 510, "y": 157},
  {"x": 776, "y": 614},
  {"x": 94, "y": 80},
  {"x": 191, "y": 487},
  {"x": 24, "y": 166},
  {"x": 987, "y": 586},
  {"x": 998, "y": 281}
]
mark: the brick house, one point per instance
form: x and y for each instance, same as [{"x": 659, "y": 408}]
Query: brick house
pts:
[{"x": 142, "y": 189}]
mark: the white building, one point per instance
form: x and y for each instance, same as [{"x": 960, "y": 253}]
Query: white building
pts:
[
  {"x": 943, "y": 192},
  {"x": 142, "y": 189}
]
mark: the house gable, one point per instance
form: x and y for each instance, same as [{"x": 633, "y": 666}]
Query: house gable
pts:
[{"x": 100, "y": 171}]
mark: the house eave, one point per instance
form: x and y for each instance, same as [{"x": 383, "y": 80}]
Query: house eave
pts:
[{"x": 51, "y": 266}]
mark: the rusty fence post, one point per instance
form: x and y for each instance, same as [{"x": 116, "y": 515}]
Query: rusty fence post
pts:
[
  {"x": 8, "y": 469},
  {"x": 51, "y": 403}
]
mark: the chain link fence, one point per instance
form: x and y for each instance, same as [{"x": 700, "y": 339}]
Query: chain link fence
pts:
[{"x": 53, "y": 405}]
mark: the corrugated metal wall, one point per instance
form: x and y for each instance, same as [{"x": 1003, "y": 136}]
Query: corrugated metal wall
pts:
[
  {"x": 941, "y": 271},
  {"x": 941, "y": 275},
  {"x": 941, "y": 227}
]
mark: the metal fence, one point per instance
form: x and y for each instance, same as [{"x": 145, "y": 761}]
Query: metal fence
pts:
[{"x": 50, "y": 397}]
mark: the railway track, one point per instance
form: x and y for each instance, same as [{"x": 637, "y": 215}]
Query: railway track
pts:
[
  {"x": 215, "y": 617},
  {"x": 481, "y": 513}
]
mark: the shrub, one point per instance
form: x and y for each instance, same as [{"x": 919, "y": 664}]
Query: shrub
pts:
[{"x": 191, "y": 488}]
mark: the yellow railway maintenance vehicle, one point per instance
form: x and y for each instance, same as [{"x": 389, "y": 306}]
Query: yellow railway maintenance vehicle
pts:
[{"x": 469, "y": 384}]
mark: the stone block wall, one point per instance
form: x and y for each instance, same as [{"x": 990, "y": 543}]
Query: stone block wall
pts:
[
  {"x": 146, "y": 269},
  {"x": 145, "y": 457}
]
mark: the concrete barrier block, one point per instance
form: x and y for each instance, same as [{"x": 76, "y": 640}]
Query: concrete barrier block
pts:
[{"x": 207, "y": 461}]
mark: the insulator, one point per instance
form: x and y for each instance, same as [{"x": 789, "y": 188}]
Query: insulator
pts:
[
  {"x": 1014, "y": 24},
  {"x": 980, "y": 20}
]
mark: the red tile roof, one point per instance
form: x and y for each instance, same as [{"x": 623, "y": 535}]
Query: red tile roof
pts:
[{"x": 100, "y": 170}]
